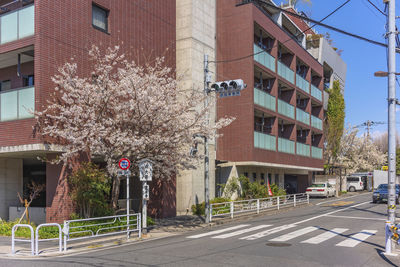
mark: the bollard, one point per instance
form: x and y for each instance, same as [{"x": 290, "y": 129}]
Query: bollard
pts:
[
  {"x": 294, "y": 200},
  {"x": 232, "y": 210},
  {"x": 258, "y": 206},
  {"x": 308, "y": 198},
  {"x": 278, "y": 203}
]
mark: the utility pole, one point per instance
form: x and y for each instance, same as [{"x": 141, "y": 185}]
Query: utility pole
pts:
[
  {"x": 206, "y": 154},
  {"x": 391, "y": 34}
]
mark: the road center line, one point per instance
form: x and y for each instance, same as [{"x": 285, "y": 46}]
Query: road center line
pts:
[
  {"x": 332, "y": 212},
  {"x": 341, "y": 199},
  {"x": 361, "y": 218}
]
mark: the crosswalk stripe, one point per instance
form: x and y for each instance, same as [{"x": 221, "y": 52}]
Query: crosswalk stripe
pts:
[
  {"x": 219, "y": 231},
  {"x": 268, "y": 232},
  {"x": 294, "y": 234},
  {"x": 325, "y": 236},
  {"x": 355, "y": 239},
  {"x": 242, "y": 231}
]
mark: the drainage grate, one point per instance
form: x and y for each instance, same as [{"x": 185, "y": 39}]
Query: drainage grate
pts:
[{"x": 278, "y": 244}]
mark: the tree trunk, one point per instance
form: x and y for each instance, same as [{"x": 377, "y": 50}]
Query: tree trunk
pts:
[{"x": 115, "y": 192}]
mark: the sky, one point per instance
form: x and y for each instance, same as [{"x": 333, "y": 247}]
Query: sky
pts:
[{"x": 365, "y": 95}]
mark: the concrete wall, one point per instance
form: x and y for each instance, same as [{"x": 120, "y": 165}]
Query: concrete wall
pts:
[
  {"x": 195, "y": 36},
  {"x": 36, "y": 214},
  {"x": 10, "y": 184}
]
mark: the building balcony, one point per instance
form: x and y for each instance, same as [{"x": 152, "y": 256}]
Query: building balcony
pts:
[
  {"x": 264, "y": 141},
  {"x": 302, "y": 116},
  {"x": 17, "y": 24},
  {"x": 285, "y": 109},
  {"x": 264, "y": 58},
  {"x": 17, "y": 104},
  {"x": 302, "y": 84},
  {"x": 285, "y": 145},
  {"x": 316, "y": 152},
  {"x": 316, "y": 93},
  {"x": 264, "y": 99},
  {"x": 302, "y": 149},
  {"x": 285, "y": 72},
  {"x": 316, "y": 122}
]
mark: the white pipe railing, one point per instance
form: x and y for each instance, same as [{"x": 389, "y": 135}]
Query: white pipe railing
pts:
[
  {"x": 48, "y": 239},
  {"x": 13, "y": 239},
  {"x": 256, "y": 205}
]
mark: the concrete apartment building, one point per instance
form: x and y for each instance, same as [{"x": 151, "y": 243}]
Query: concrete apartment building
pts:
[
  {"x": 36, "y": 38},
  {"x": 278, "y": 131}
]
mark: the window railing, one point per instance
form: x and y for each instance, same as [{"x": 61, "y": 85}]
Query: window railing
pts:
[
  {"x": 285, "y": 72},
  {"x": 316, "y": 152},
  {"x": 264, "y": 141},
  {"x": 316, "y": 93},
  {"x": 285, "y": 145},
  {"x": 285, "y": 109},
  {"x": 302, "y": 116},
  {"x": 264, "y": 58},
  {"x": 264, "y": 99},
  {"x": 316, "y": 122},
  {"x": 17, "y": 104},
  {"x": 302, "y": 149},
  {"x": 302, "y": 84},
  {"x": 17, "y": 24}
]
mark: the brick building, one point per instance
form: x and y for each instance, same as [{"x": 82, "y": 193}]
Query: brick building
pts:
[
  {"x": 36, "y": 38},
  {"x": 278, "y": 131}
]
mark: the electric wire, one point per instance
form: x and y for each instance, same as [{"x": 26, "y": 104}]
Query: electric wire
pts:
[
  {"x": 377, "y": 8},
  {"x": 310, "y": 27}
]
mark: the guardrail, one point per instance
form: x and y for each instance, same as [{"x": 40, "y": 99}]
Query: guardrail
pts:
[
  {"x": 22, "y": 240},
  {"x": 226, "y": 209},
  {"x": 48, "y": 239},
  {"x": 101, "y": 226}
]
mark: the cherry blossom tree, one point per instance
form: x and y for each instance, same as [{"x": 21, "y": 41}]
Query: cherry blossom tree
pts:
[
  {"x": 359, "y": 153},
  {"x": 123, "y": 109}
]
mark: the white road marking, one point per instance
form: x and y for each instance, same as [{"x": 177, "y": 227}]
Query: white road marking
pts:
[
  {"x": 354, "y": 240},
  {"x": 242, "y": 231},
  {"x": 325, "y": 236},
  {"x": 219, "y": 231},
  {"x": 338, "y": 199},
  {"x": 268, "y": 232},
  {"x": 361, "y": 218},
  {"x": 329, "y": 213},
  {"x": 294, "y": 234}
]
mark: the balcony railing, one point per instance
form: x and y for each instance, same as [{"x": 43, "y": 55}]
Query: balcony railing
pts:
[
  {"x": 264, "y": 99},
  {"x": 302, "y": 116},
  {"x": 285, "y": 72},
  {"x": 302, "y": 84},
  {"x": 17, "y": 24},
  {"x": 17, "y": 104},
  {"x": 316, "y": 152},
  {"x": 264, "y": 141},
  {"x": 264, "y": 58},
  {"x": 316, "y": 93},
  {"x": 316, "y": 122},
  {"x": 285, "y": 109},
  {"x": 302, "y": 149},
  {"x": 285, "y": 145}
]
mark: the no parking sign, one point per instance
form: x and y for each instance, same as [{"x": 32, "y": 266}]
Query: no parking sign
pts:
[{"x": 124, "y": 164}]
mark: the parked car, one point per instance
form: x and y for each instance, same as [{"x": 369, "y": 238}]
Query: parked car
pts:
[
  {"x": 381, "y": 193},
  {"x": 321, "y": 190},
  {"x": 354, "y": 183}
]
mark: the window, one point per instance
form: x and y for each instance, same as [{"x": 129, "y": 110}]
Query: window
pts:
[
  {"x": 100, "y": 18},
  {"x": 276, "y": 178},
  {"x": 262, "y": 179},
  {"x": 246, "y": 174},
  {"x": 29, "y": 81},
  {"x": 254, "y": 176},
  {"x": 5, "y": 85},
  {"x": 269, "y": 178}
]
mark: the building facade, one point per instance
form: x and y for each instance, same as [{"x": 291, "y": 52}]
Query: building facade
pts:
[
  {"x": 278, "y": 131},
  {"x": 36, "y": 38}
]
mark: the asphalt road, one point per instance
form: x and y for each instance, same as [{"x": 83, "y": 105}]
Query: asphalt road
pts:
[{"x": 346, "y": 232}]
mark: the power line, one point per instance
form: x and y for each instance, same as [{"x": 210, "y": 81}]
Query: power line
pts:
[
  {"x": 327, "y": 16},
  {"x": 377, "y": 8}
]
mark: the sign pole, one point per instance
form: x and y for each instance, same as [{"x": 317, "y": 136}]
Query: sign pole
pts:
[
  {"x": 144, "y": 211},
  {"x": 127, "y": 205}
]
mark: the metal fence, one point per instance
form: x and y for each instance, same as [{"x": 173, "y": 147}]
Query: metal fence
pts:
[
  {"x": 101, "y": 226},
  {"x": 226, "y": 209},
  {"x": 37, "y": 238},
  {"x": 13, "y": 239}
]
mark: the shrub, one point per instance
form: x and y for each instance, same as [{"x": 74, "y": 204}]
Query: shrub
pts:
[
  {"x": 252, "y": 190},
  {"x": 90, "y": 190},
  {"x": 199, "y": 209}
]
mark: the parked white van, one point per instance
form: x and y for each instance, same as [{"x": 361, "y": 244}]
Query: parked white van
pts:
[{"x": 354, "y": 183}]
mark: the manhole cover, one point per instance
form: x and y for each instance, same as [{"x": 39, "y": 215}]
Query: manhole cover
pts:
[{"x": 278, "y": 244}]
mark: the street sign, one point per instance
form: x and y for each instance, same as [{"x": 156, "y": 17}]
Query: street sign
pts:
[
  {"x": 124, "y": 172},
  {"x": 124, "y": 164},
  {"x": 146, "y": 170},
  {"x": 146, "y": 191}
]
